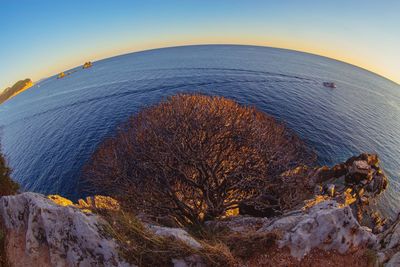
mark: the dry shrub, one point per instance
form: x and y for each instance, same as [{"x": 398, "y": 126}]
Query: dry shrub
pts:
[{"x": 193, "y": 158}]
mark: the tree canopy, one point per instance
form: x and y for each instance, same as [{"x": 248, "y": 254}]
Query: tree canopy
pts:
[{"x": 194, "y": 157}]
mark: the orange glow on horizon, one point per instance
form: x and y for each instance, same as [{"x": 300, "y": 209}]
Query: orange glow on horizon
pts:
[{"x": 297, "y": 45}]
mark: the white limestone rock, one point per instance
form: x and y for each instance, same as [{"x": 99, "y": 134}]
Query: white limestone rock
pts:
[
  {"x": 389, "y": 244},
  {"x": 394, "y": 261},
  {"x": 176, "y": 233},
  {"x": 325, "y": 226},
  {"x": 42, "y": 233}
]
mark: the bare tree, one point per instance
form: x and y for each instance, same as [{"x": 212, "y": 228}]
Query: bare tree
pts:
[{"x": 194, "y": 157}]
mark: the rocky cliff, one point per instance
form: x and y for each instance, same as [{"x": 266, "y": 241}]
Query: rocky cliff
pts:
[
  {"x": 17, "y": 88},
  {"x": 335, "y": 227}
]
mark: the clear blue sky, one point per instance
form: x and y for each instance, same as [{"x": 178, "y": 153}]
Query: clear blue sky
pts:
[{"x": 41, "y": 38}]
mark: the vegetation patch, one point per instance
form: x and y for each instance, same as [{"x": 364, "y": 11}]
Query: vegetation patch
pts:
[
  {"x": 193, "y": 158},
  {"x": 139, "y": 245}
]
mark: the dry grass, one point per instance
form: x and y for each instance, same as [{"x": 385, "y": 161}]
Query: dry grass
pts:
[
  {"x": 3, "y": 258},
  {"x": 138, "y": 245},
  {"x": 242, "y": 245},
  {"x": 248, "y": 245}
]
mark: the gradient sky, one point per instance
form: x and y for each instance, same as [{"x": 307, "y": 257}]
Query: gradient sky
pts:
[{"x": 42, "y": 38}]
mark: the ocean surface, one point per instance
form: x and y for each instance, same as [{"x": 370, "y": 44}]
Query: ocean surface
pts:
[{"x": 49, "y": 131}]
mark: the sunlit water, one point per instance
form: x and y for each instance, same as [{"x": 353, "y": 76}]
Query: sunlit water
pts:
[{"x": 50, "y": 131}]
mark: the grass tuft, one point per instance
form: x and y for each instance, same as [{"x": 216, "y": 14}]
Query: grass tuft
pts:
[{"x": 138, "y": 245}]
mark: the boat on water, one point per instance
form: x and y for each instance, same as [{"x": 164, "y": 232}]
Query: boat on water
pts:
[{"x": 329, "y": 84}]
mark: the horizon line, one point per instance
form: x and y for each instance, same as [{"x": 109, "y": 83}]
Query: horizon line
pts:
[{"x": 216, "y": 44}]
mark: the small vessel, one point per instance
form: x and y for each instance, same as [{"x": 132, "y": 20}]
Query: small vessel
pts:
[{"x": 329, "y": 84}]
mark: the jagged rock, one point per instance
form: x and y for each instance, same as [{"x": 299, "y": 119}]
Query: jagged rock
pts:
[
  {"x": 176, "y": 233},
  {"x": 59, "y": 200},
  {"x": 61, "y": 75},
  {"x": 353, "y": 182},
  {"x": 181, "y": 235},
  {"x": 87, "y": 65},
  {"x": 326, "y": 226},
  {"x": 41, "y": 233},
  {"x": 358, "y": 171},
  {"x": 96, "y": 202},
  {"x": 389, "y": 244},
  {"x": 99, "y": 202},
  {"x": 318, "y": 190},
  {"x": 394, "y": 261},
  {"x": 329, "y": 189}
]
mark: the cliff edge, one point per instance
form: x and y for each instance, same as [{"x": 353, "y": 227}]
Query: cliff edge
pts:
[{"x": 334, "y": 227}]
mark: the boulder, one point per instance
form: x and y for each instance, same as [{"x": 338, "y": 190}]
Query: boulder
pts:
[
  {"x": 175, "y": 233},
  {"x": 327, "y": 226},
  {"x": 329, "y": 189},
  {"x": 99, "y": 202},
  {"x": 394, "y": 261},
  {"x": 183, "y": 236},
  {"x": 389, "y": 244},
  {"x": 358, "y": 171},
  {"x": 96, "y": 202},
  {"x": 39, "y": 232},
  {"x": 353, "y": 182},
  {"x": 59, "y": 200}
]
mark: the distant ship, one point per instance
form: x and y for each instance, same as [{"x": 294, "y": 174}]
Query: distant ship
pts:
[{"x": 329, "y": 84}]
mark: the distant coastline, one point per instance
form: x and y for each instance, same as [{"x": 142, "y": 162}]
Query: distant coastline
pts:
[{"x": 16, "y": 89}]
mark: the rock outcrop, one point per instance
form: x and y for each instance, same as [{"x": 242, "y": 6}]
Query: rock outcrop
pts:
[
  {"x": 54, "y": 231},
  {"x": 352, "y": 183},
  {"x": 16, "y": 89},
  {"x": 389, "y": 245},
  {"x": 326, "y": 226},
  {"x": 41, "y": 233},
  {"x": 96, "y": 202},
  {"x": 87, "y": 65},
  {"x": 337, "y": 217},
  {"x": 61, "y": 75}
]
